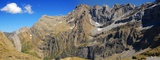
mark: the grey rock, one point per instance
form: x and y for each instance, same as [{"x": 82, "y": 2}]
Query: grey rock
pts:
[{"x": 157, "y": 1}]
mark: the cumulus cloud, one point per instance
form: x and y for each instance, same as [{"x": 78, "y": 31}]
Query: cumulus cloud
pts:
[
  {"x": 12, "y": 8},
  {"x": 28, "y": 9}
]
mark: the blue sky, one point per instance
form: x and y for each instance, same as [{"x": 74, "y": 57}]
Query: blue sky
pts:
[{"x": 28, "y": 12}]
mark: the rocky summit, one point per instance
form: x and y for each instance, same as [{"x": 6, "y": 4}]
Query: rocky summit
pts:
[{"x": 92, "y": 33}]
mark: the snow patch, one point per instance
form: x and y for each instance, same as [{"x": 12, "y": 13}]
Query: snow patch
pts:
[
  {"x": 93, "y": 22},
  {"x": 97, "y": 24},
  {"x": 99, "y": 29},
  {"x": 152, "y": 6},
  {"x": 145, "y": 28},
  {"x": 113, "y": 25}
]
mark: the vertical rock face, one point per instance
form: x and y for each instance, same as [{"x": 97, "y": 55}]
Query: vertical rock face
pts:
[
  {"x": 105, "y": 14},
  {"x": 151, "y": 16},
  {"x": 157, "y": 1},
  {"x": 94, "y": 32},
  {"x": 16, "y": 40}
]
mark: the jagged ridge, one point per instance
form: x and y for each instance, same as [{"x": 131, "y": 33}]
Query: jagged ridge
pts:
[{"x": 96, "y": 32}]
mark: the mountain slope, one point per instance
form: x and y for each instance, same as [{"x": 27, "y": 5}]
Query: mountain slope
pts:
[
  {"x": 98, "y": 32},
  {"x": 94, "y": 33},
  {"x": 8, "y": 52}
]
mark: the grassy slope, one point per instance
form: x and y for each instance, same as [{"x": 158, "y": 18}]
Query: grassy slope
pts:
[
  {"x": 150, "y": 52},
  {"x": 7, "y": 51},
  {"x": 27, "y": 44}
]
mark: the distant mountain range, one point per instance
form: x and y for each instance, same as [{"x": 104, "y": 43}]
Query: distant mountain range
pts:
[{"x": 96, "y": 33}]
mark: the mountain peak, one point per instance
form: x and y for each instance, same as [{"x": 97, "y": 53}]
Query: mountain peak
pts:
[
  {"x": 96, "y": 6},
  {"x": 82, "y": 6}
]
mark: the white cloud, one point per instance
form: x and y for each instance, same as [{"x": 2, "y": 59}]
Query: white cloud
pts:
[
  {"x": 12, "y": 8},
  {"x": 28, "y": 9}
]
